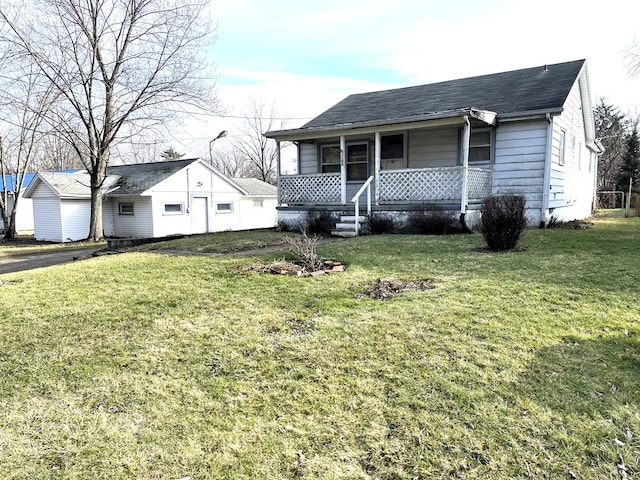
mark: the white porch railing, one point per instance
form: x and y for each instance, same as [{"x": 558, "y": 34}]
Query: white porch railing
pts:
[
  {"x": 400, "y": 186},
  {"x": 305, "y": 189},
  {"x": 356, "y": 200},
  {"x": 433, "y": 184}
]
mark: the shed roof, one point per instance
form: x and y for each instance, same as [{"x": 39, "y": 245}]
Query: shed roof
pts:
[
  {"x": 254, "y": 187},
  {"x": 137, "y": 178},
  {"x": 535, "y": 89}
]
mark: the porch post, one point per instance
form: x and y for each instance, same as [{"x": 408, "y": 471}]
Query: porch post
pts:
[
  {"x": 376, "y": 171},
  {"x": 466, "y": 135},
  {"x": 343, "y": 170},
  {"x": 278, "y": 172}
]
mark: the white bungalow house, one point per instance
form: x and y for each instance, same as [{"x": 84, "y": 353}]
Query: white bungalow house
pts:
[
  {"x": 24, "y": 213},
  {"x": 151, "y": 200},
  {"x": 450, "y": 144}
]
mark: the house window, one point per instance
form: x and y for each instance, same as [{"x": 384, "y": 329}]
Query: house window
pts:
[
  {"x": 257, "y": 203},
  {"x": 392, "y": 147},
  {"x": 173, "y": 208},
  {"x": 330, "y": 159},
  {"x": 125, "y": 208},
  {"x": 224, "y": 207},
  {"x": 480, "y": 146},
  {"x": 357, "y": 160},
  {"x": 563, "y": 147}
]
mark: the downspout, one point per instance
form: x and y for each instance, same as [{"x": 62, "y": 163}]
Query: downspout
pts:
[
  {"x": 546, "y": 182},
  {"x": 343, "y": 170},
  {"x": 466, "y": 135}
]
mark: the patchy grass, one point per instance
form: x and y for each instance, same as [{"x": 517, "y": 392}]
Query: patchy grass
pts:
[
  {"x": 516, "y": 365},
  {"x": 222, "y": 242}
]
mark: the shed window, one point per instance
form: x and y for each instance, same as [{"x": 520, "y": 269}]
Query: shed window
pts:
[
  {"x": 125, "y": 208},
  {"x": 563, "y": 147},
  {"x": 480, "y": 146},
  {"x": 225, "y": 207},
  {"x": 258, "y": 203},
  {"x": 173, "y": 208}
]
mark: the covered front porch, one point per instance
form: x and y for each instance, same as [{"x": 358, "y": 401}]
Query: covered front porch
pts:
[
  {"x": 444, "y": 160},
  {"x": 440, "y": 185}
]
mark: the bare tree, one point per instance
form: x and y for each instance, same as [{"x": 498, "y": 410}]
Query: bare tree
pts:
[
  {"x": 258, "y": 151},
  {"x": 25, "y": 103},
  {"x": 611, "y": 130},
  {"x": 632, "y": 57},
  {"x": 230, "y": 162},
  {"x": 115, "y": 63}
]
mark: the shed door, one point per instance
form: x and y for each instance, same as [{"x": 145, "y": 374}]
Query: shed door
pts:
[{"x": 199, "y": 215}]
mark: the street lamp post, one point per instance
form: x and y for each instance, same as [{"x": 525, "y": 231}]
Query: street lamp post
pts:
[{"x": 223, "y": 133}]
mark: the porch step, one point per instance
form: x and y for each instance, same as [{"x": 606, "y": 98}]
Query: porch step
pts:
[{"x": 346, "y": 227}]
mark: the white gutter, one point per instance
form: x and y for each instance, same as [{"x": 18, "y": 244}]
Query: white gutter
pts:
[{"x": 546, "y": 182}]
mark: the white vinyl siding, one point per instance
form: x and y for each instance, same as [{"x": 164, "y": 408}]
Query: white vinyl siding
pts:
[
  {"x": 572, "y": 187},
  {"x": 519, "y": 162},
  {"x": 308, "y": 158},
  {"x": 76, "y": 217},
  {"x": 433, "y": 148},
  {"x": 137, "y": 225},
  {"x": 47, "y": 221}
]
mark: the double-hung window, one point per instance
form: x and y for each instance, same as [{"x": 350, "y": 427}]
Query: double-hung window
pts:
[
  {"x": 357, "y": 160},
  {"x": 480, "y": 145}
]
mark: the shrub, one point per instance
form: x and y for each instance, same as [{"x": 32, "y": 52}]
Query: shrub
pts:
[
  {"x": 288, "y": 226},
  {"x": 304, "y": 253},
  {"x": 502, "y": 221},
  {"x": 430, "y": 220},
  {"x": 380, "y": 223},
  {"x": 318, "y": 223}
]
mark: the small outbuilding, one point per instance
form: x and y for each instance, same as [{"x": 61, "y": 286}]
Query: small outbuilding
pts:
[{"x": 151, "y": 200}]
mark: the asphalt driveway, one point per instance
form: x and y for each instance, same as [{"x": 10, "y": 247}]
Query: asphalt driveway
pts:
[{"x": 40, "y": 260}]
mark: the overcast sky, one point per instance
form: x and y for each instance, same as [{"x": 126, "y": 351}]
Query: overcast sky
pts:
[{"x": 306, "y": 55}]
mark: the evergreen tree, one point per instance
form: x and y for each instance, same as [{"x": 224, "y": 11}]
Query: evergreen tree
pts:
[
  {"x": 630, "y": 168},
  {"x": 171, "y": 154}
]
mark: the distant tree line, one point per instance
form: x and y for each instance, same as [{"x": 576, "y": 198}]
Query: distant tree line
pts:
[{"x": 619, "y": 165}]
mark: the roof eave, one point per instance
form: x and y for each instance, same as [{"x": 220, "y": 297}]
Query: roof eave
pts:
[
  {"x": 385, "y": 125},
  {"x": 528, "y": 115}
]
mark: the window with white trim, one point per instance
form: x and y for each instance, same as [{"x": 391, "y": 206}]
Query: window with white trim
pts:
[
  {"x": 173, "y": 208},
  {"x": 480, "y": 145},
  {"x": 357, "y": 161},
  {"x": 125, "y": 208},
  {"x": 392, "y": 147},
  {"x": 258, "y": 203},
  {"x": 329, "y": 159},
  {"x": 224, "y": 207},
  {"x": 563, "y": 147}
]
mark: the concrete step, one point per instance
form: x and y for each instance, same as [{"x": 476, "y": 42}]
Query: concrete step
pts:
[{"x": 343, "y": 233}]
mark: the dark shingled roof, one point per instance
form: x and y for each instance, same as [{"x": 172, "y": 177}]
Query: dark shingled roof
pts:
[
  {"x": 137, "y": 178},
  {"x": 530, "y": 89}
]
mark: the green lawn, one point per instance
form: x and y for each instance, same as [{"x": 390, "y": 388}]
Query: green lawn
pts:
[{"x": 151, "y": 366}]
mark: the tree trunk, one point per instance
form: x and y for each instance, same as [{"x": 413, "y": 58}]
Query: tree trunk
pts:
[
  {"x": 10, "y": 227},
  {"x": 96, "y": 233}
]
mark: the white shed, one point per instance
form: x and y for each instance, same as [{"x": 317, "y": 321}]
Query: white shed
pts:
[{"x": 152, "y": 200}]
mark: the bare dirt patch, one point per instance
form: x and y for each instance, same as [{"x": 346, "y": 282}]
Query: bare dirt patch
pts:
[{"x": 385, "y": 288}]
